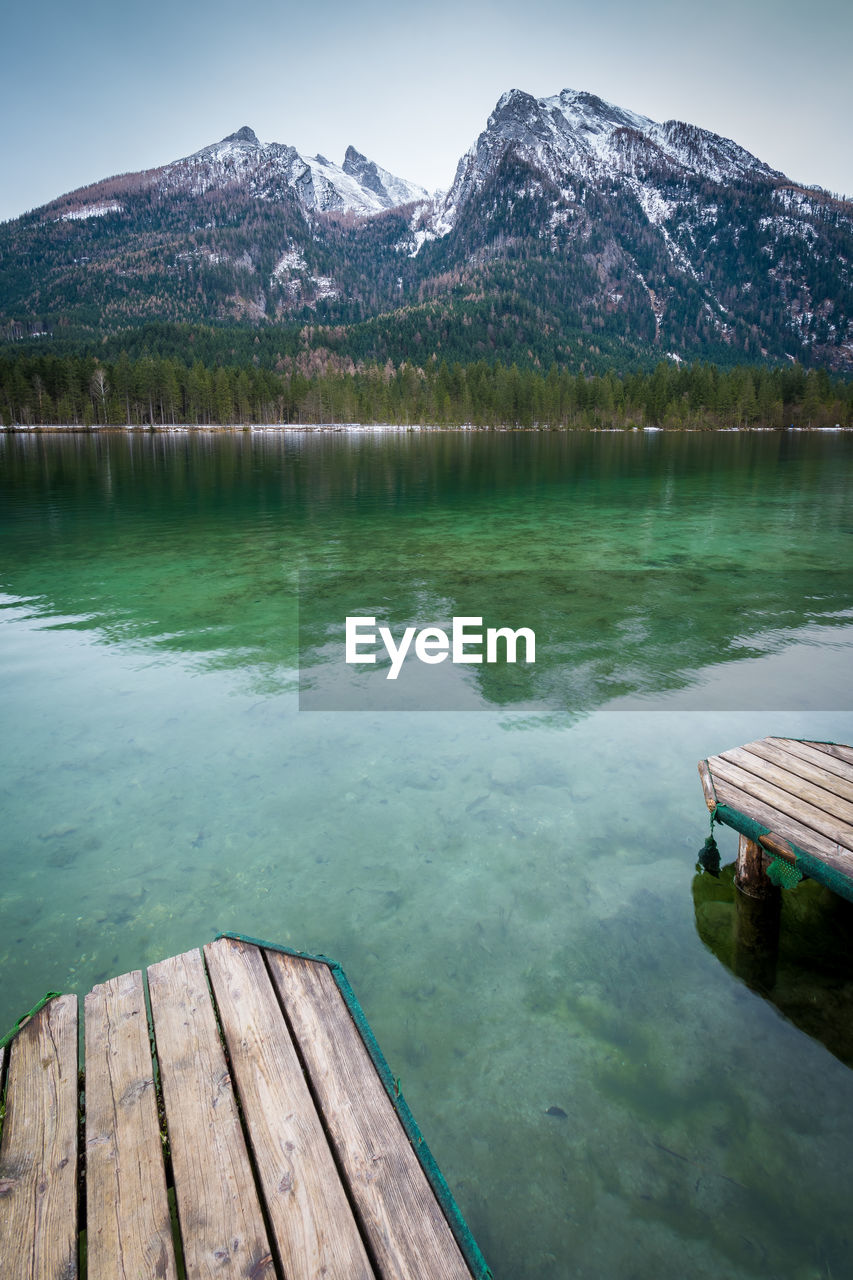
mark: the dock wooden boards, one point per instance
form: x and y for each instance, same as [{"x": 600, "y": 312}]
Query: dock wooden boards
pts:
[
  {"x": 129, "y": 1230},
  {"x": 306, "y": 1201},
  {"x": 243, "y": 1132},
  {"x": 800, "y": 791},
  {"x": 388, "y": 1186},
  {"x": 222, "y": 1224},
  {"x": 38, "y": 1154}
]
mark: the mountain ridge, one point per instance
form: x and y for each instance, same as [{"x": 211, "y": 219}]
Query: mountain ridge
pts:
[{"x": 568, "y": 214}]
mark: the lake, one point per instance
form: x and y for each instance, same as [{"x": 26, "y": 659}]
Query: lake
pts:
[{"x": 503, "y": 858}]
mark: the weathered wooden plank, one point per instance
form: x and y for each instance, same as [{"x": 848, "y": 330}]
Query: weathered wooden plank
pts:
[
  {"x": 129, "y": 1231},
  {"x": 38, "y": 1159},
  {"x": 309, "y": 1213},
  {"x": 707, "y": 784},
  {"x": 798, "y": 787},
  {"x": 802, "y": 768},
  {"x": 808, "y": 815},
  {"x": 222, "y": 1227},
  {"x": 810, "y": 752},
  {"x": 407, "y": 1230},
  {"x": 783, "y": 825},
  {"x": 836, "y": 750}
]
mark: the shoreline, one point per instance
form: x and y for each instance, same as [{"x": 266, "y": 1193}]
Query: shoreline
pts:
[{"x": 359, "y": 428}]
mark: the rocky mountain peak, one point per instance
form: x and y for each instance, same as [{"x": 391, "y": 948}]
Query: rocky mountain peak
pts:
[
  {"x": 245, "y": 134},
  {"x": 353, "y": 159},
  {"x": 364, "y": 171},
  {"x": 515, "y": 114},
  {"x": 577, "y": 136}
]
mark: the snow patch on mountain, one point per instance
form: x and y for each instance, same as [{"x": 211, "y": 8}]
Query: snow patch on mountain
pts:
[
  {"x": 91, "y": 211},
  {"x": 659, "y": 211},
  {"x": 325, "y": 286},
  {"x": 291, "y": 260},
  {"x": 789, "y": 227},
  {"x": 428, "y": 222}
]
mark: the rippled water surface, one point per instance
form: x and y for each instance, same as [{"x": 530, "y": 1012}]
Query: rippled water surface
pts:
[{"x": 510, "y": 880}]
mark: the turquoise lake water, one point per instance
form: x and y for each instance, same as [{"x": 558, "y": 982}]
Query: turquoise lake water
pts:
[{"x": 509, "y": 878}]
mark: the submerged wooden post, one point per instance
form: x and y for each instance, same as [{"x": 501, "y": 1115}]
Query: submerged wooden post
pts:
[
  {"x": 756, "y": 939},
  {"x": 758, "y": 905}
]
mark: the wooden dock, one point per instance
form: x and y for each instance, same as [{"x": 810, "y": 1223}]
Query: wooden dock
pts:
[
  {"x": 247, "y": 1127},
  {"x": 792, "y": 803}
]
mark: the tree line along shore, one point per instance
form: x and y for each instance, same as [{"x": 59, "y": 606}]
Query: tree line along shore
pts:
[{"x": 51, "y": 390}]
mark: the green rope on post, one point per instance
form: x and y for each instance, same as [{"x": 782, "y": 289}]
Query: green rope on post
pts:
[{"x": 10, "y": 1035}]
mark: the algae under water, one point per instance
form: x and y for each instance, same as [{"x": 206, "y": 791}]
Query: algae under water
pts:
[{"x": 508, "y": 881}]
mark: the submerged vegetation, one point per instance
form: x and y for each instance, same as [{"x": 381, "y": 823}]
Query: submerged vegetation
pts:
[{"x": 154, "y": 391}]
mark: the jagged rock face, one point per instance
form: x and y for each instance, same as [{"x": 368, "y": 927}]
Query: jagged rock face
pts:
[
  {"x": 389, "y": 190},
  {"x": 367, "y": 173},
  {"x": 582, "y": 216}
]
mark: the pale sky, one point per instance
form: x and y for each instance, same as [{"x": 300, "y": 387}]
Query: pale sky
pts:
[{"x": 96, "y": 88}]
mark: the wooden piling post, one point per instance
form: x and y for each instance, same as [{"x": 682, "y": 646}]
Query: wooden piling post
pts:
[
  {"x": 756, "y": 939},
  {"x": 758, "y": 904},
  {"x": 751, "y": 872}
]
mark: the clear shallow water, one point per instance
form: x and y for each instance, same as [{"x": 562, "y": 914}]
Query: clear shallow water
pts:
[{"x": 512, "y": 892}]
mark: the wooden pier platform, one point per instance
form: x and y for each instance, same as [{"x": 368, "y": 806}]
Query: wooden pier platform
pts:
[
  {"x": 792, "y": 802},
  {"x": 247, "y": 1127}
]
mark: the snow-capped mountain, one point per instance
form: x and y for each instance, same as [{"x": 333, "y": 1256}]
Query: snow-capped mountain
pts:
[
  {"x": 666, "y": 219},
  {"x": 575, "y": 136},
  {"x": 574, "y": 231},
  {"x": 268, "y": 171},
  {"x": 264, "y": 171}
]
